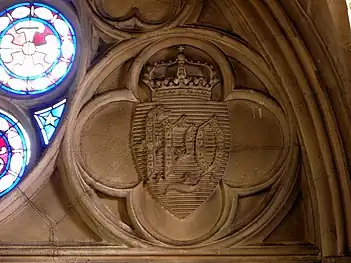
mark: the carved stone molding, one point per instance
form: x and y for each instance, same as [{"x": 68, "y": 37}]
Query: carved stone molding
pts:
[
  {"x": 311, "y": 96},
  {"x": 110, "y": 253},
  {"x": 123, "y": 19}
]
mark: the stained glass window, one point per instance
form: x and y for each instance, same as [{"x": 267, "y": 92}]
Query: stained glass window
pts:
[
  {"x": 37, "y": 48},
  {"x": 48, "y": 120},
  {"x": 14, "y": 152}
]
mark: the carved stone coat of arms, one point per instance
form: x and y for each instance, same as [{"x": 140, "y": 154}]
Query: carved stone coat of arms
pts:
[
  {"x": 181, "y": 138},
  {"x": 199, "y": 154}
]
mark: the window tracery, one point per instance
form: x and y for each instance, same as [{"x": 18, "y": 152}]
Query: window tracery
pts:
[
  {"x": 37, "y": 48},
  {"x": 37, "y": 53}
]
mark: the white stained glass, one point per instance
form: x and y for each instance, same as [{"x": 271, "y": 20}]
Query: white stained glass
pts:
[
  {"x": 50, "y": 49},
  {"x": 39, "y": 59},
  {"x": 3, "y": 150},
  {"x": 7, "y": 49},
  {"x": 61, "y": 27},
  {"x": 6, "y": 181},
  {"x": 16, "y": 163},
  {"x": 4, "y": 77},
  {"x": 2, "y": 164},
  {"x": 6, "y": 55},
  {"x": 59, "y": 70},
  {"x": 28, "y": 68},
  {"x": 6, "y": 42},
  {"x": 4, "y": 125},
  {"x": 18, "y": 59},
  {"x": 4, "y": 22},
  {"x": 67, "y": 48},
  {"x": 40, "y": 83},
  {"x": 17, "y": 84},
  {"x": 14, "y": 139},
  {"x": 21, "y": 12},
  {"x": 44, "y": 13}
]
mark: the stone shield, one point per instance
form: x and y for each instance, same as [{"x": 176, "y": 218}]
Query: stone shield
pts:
[{"x": 181, "y": 150}]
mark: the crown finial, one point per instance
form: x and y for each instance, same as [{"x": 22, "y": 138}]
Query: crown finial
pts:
[
  {"x": 181, "y": 49},
  {"x": 181, "y": 71}
]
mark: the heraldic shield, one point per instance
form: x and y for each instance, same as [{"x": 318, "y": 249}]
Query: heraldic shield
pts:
[{"x": 181, "y": 138}]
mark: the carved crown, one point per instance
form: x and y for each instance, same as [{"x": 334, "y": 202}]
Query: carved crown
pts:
[{"x": 181, "y": 78}]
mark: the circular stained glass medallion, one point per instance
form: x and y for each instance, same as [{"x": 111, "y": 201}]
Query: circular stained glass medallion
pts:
[
  {"x": 37, "y": 48},
  {"x": 14, "y": 152}
]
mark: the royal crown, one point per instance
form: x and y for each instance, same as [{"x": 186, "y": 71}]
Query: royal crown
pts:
[{"x": 179, "y": 79}]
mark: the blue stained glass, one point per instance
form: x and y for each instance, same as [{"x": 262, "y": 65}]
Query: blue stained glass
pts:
[
  {"x": 14, "y": 152},
  {"x": 48, "y": 120},
  {"x": 37, "y": 48},
  {"x": 58, "y": 110},
  {"x": 49, "y": 130}
]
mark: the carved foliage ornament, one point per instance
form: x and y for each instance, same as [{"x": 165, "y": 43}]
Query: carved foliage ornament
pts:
[{"x": 196, "y": 151}]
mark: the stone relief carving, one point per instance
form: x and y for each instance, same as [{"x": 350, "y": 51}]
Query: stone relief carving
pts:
[
  {"x": 181, "y": 139},
  {"x": 183, "y": 121}
]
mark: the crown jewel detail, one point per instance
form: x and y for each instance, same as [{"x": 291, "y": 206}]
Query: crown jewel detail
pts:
[{"x": 194, "y": 80}]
